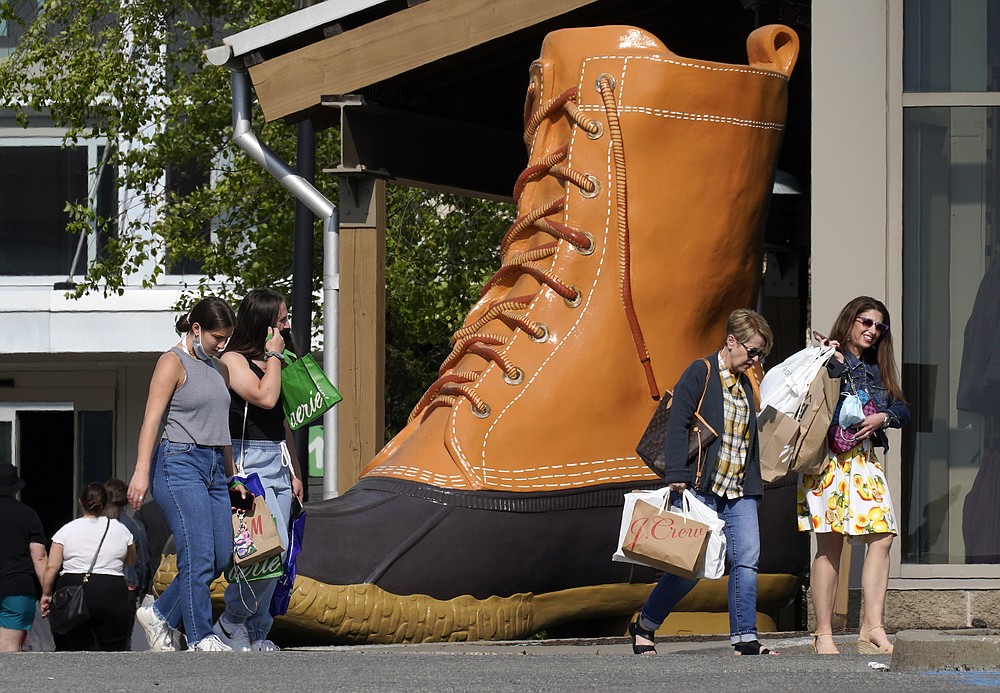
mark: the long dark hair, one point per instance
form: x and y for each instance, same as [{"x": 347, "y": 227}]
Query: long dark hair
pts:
[
  {"x": 210, "y": 312},
  {"x": 258, "y": 311},
  {"x": 881, "y": 352},
  {"x": 117, "y": 496}
]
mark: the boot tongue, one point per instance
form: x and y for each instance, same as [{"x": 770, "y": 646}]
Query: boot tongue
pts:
[
  {"x": 559, "y": 66},
  {"x": 565, "y": 50}
]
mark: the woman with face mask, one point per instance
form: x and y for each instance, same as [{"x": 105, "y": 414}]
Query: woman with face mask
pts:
[
  {"x": 262, "y": 444},
  {"x": 189, "y": 397}
]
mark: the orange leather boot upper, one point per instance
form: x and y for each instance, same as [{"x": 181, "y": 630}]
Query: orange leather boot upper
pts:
[{"x": 639, "y": 230}]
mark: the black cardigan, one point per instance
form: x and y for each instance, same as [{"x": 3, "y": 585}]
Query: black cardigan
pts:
[{"x": 687, "y": 392}]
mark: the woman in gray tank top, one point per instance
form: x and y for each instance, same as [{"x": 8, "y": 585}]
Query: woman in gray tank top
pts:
[{"x": 189, "y": 397}]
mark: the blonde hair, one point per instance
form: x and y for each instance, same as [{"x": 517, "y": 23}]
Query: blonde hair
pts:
[{"x": 744, "y": 323}]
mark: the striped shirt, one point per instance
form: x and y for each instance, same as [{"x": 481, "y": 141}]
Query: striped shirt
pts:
[{"x": 731, "y": 465}]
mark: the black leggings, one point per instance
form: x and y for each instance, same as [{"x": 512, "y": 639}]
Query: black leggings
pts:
[{"x": 111, "y": 615}]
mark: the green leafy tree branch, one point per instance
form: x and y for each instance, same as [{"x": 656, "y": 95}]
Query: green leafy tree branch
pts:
[{"x": 132, "y": 73}]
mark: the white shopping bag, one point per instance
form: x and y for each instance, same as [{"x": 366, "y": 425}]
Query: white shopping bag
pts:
[
  {"x": 714, "y": 565},
  {"x": 784, "y": 386}
]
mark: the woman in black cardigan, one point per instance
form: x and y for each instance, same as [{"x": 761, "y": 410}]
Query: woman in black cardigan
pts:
[{"x": 726, "y": 478}]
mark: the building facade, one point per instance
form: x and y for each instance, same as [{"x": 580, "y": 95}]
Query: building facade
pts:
[
  {"x": 903, "y": 190},
  {"x": 904, "y": 199}
]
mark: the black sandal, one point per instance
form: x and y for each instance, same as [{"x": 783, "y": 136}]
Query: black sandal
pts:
[
  {"x": 753, "y": 647},
  {"x": 636, "y": 631}
]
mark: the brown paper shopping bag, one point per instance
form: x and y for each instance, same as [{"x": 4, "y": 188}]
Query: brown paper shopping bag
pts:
[
  {"x": 798, "y": 443},
  {"x": 666, "y": 540},
  {"x": 811, "y": 454},
  {"x": 255, "y": 534},
  {"x": 779, "y": 436}
]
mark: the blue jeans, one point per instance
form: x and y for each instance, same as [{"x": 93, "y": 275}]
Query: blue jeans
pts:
[
  {"x": 742, "y": 555},
  {"x": 250, "y": 602},
  {"x": 189, "y": 485}
]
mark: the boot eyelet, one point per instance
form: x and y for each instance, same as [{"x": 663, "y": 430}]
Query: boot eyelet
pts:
[
  {"x": 600, "y": 131},
  {"x": 575, "y": 301},
  {"x": 596, "y": 187},
  {"x": 544, "y": 337},
  {"x": 604, "y": 75},
  {"x": 481, "y": 414},
  {"x": 589, "y": 249},
  {"x": 515, "y": 379}
]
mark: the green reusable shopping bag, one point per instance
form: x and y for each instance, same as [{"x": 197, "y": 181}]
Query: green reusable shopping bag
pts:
[{"x": 306, "y": 392}]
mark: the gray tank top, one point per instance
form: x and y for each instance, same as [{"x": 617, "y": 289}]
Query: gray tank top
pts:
[{"x": 198, "y": 412}]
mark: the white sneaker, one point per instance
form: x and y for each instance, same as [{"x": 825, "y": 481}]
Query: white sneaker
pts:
[
  {"x": 210, "y": 643},
  {"x": 160, "y": 636},
  {"x": 233, "y": 634},
  {"x": 264, "y": 646}
]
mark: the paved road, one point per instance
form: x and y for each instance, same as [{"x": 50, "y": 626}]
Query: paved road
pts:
[{"x": 598, "y": 665}]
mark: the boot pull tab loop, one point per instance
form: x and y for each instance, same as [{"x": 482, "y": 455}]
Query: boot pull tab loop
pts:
[{"x": 773, "y": 47}]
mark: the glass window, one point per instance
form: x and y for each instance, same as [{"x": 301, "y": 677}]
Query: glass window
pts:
[
  {"x": 182, "y": 181},
  {"x": 95, "y": 444},
  {"x": 36, "y": 182},
  {"x": 951, "y": 45},
  {"x": 951, "y": 304},
  {"x": 6, "y": 442},
  {"x": 13, "y": 17}
]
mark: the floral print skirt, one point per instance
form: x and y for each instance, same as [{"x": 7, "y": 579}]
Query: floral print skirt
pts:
[{"x": 849, "y": 496}]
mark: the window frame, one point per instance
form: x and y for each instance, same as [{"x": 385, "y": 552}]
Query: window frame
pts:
[
  {"x": 53, "y": 138},
  {"x": 905, "y": 576}
]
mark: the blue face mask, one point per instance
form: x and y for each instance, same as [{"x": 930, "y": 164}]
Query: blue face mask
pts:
[{"x": 199, "y": 350}]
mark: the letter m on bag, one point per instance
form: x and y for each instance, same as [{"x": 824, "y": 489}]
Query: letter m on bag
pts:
[{"x": 256, "y": 526}]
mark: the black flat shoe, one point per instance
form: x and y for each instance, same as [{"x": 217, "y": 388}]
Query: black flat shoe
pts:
[
  {"x": 636, "y": 632},
  {"x": 751, "y": 648}
]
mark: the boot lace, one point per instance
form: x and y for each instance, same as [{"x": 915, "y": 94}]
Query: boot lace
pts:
[{"x": 453, "y": 386}]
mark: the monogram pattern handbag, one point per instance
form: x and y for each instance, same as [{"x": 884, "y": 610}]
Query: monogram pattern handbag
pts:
[{"x": 700, "y": 433}]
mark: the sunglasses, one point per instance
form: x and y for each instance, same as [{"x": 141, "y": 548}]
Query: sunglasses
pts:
[
  {"x": 868, "y": 322},
  {"x": 754, "y": 352}
]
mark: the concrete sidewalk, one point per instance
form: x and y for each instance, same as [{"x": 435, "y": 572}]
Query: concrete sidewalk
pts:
[{"x": 683, "y": 664}]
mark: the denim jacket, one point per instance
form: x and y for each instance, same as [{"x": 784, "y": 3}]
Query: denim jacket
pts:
[{"x": 856, "y": 375}]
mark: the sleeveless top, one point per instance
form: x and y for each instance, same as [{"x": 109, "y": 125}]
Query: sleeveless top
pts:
[
  {"x": 197, "y": 410},
  {"x": 261, "y": 424}
]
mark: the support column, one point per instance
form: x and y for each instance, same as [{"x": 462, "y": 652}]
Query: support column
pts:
[{"x": 362, "y": 323}]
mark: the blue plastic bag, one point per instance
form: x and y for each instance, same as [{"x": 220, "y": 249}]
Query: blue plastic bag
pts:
[
  {"x": 851, "y": 412},
  {"x": 283, "y": 590}
]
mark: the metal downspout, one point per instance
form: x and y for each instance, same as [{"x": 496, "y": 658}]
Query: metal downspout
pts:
[{"x": 305, "y": 192}]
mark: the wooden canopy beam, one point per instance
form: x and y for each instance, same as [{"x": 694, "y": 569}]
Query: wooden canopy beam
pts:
[
  {"x": 381, "y": 139},
  {"x": 419, "y": 35}
]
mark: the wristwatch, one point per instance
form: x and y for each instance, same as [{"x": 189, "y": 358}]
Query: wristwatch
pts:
[{"x": 885, "y": 424}]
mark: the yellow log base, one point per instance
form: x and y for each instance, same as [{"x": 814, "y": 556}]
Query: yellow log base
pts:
[{"x": 367, "y": 614}]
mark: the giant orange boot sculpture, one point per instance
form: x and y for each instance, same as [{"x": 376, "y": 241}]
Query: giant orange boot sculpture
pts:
[{"x": 495, "y": 512}]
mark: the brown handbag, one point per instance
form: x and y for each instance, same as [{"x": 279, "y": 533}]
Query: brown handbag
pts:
[{"x": 651, "y": 447}]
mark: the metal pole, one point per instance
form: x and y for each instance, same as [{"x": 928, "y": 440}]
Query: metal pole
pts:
[
  {"x": 331, "y": 337},
  {"x": 302, "y": 254},
  {"x": 313, "y": 199}
]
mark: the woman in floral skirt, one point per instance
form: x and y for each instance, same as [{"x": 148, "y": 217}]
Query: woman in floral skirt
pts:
[{"x": 850, "y": 497}]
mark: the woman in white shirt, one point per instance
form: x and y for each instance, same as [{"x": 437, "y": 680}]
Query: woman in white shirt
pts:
[{"x": 74, "y": 548}]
